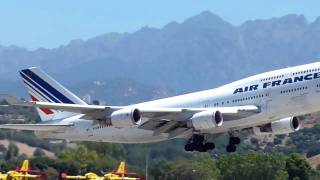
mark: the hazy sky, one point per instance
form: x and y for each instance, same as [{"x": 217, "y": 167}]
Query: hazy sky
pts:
[{"x": 38, "y": 23}]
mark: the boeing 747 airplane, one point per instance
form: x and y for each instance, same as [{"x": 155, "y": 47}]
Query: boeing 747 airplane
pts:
[{"x": 267, "y": 103}]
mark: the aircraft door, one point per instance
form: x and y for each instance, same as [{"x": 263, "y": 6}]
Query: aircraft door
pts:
[{"x": 268, "y": 105}]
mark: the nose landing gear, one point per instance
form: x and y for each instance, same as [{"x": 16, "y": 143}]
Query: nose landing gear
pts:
[{"x": 197, "y": 143}]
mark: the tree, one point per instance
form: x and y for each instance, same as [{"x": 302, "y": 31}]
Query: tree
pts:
[
  {"x": 38, "y": 152},
  {"x": 252, "y": 166},
  {"x": 186, "y": 169},
  {"x": 41, "y": 162},
  {"x": 13, "y": 151},
  {"x": 297, "y": 166},
  {"x": 313, "y": 150},
  {"x": 83, "y": 157},
  {"x": 159, "y": 169},
  {"x": 201, "y": 167},
  {"x": 2, "y": 148},
  {"x": 67, "y": 166}
]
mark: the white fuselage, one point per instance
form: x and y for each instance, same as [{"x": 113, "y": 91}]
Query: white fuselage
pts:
[{"x": 281, "y": 93}]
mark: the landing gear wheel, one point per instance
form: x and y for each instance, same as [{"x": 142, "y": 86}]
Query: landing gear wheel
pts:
[
  {"x": 197, "y": 139},
  {"x": 189, "y": 147},
  {"x": 209, "y": 146},
  {"x": 201, "y": 148},
  {"x": 197, "y": 143},
  {"x": 234, "y": 140},
  {"x": 231, "y": 148}
]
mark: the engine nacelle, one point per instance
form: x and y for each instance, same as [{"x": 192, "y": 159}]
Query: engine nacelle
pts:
[
  {"x": 126, "y": 117},
  {"x": 206, "y": 120},
  {"x": 285, "y": 125},
  {"x": 282, "y": 126}
]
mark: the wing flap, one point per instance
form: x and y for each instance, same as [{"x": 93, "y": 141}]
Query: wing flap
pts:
[
  {"x": 185, "y": 113},
  {"x": 172, "y": 120},
  {"x": 177, "y": 131},
  {"x": 164, "y": 128}
]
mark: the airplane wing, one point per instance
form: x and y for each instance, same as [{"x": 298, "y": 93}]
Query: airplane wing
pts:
[
  {"x": 230, "y": 113},
  {"x": 173, "y": 120},
  {"x": 98, "y": 112},
  {"x": 160, "y": 120},
  {"x": 36, "y": 127},
  {"x": 25, "y": 176}
]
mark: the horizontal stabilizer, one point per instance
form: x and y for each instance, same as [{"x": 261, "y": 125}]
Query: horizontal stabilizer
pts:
[
  {"x": 91, "y": 112},
  {"x": 36, "y": 127}
]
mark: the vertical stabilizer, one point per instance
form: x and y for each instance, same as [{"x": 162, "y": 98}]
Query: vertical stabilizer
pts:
[
  {"x": 25, "y": 166},
  {"x": 42, "y": 87},
  {"x": 121, "y": 168}
]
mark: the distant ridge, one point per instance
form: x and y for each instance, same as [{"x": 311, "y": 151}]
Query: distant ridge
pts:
[{"x": 202, "y": 52}]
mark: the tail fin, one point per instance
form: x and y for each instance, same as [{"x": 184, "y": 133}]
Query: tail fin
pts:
[
  {"x": 25, "y": 166},
  {"x": 42, "y": 87},
  {"x": 121, "y": 168}
]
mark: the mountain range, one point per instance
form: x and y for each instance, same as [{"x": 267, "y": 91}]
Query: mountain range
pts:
[{"x": 202, "y": 52}]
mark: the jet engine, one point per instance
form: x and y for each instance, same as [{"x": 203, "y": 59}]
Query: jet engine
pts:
[
  {"x": 282, "y": 126},
  {"x": 126, "y": 117},
  {"x": 206, "y": 120}
]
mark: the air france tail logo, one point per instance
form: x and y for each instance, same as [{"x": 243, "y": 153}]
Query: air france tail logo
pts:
[{"x": 277, "y": 83}]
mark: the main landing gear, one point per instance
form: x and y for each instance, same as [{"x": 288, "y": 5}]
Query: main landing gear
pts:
[
  {"x": 197, "y": 143},
  {"x": 233, "y": 141}
]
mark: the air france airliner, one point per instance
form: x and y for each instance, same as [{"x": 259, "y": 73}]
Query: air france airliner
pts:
[{"x": 267, "y": 103}]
